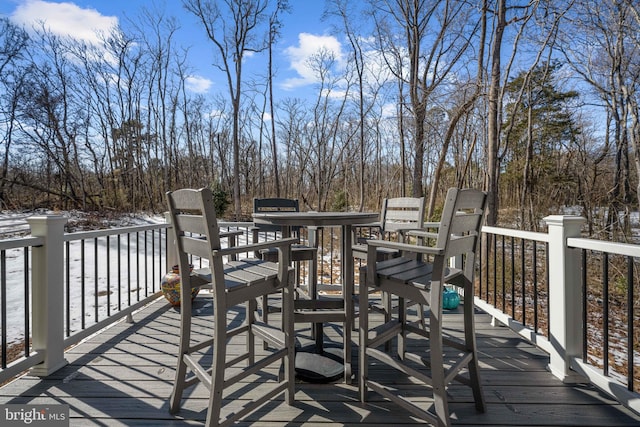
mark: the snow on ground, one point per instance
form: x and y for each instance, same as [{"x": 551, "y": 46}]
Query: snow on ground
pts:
[{"x": 14, "y": 225}]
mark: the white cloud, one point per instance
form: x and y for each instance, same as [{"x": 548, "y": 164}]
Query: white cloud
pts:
[
  {"x": 65, "y": 19},
  {"x": 198, "y": 84},
  {"x": 389, "y": 110},
  {"x": 309, "y": 45}
]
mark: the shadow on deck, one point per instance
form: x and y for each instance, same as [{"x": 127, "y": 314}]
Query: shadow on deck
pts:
[{"x": 123, "y": 376}]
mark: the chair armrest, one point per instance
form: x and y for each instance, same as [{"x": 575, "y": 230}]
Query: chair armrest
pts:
[
  {"x": 407, "y": 231},
  {"x": 231, "y": 233},
  {"x": 422, "y": 233},
  {"x": 255, "y": 246},
  {"x": 404, "y": 247}
]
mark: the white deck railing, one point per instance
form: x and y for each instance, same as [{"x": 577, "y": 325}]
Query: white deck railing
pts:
[{"x": 564, "y": 340}]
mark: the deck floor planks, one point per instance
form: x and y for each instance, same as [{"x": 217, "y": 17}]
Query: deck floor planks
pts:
[{"x": 123, "y": 376}]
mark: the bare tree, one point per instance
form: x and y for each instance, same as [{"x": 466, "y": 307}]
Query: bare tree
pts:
[
  {"x": 233, "y": 29},
  {"x": 274, "y": 29},
  {"x": 13, "y": 43},
  {"x": 434, "y": 41},
  {"x": 342, "y": 10},
  {"x": 470, "y": 93},
  {"x": 324, "y": 132},
  {"x": 601, "y": 45},
  {"x": 493, "y": 118},
  {"x": 520, "y": 14},
  {"x": 156, "y": 31}
]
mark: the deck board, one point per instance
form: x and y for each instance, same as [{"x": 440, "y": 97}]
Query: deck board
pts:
[{"x": 123, "y": 377}]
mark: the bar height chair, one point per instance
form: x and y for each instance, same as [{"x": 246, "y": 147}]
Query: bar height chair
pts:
[
  {"x": 419, "y": 276},
  {"x": 300, "y": 252},
  {"x": 399, "y": 216},
  {"x": 235, "y": 283}
]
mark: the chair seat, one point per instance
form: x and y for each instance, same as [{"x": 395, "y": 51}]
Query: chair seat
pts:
[
  {"x": 412, "y": 271},
  {"x": 240, "y": 274}
]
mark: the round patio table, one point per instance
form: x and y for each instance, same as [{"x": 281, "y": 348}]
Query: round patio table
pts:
[{"x": 320, "y": 363}]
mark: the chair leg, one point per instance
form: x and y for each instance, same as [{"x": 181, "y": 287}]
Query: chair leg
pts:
[
  {"x": 363, "y": 340},
  {"x": 402, "y": 319},
  {"x": 423, "y": 322},
  {"x": 183, "y": 348},
  {"x": 470, "y": 344},
  {"x": 265, "y": 316},
  {"x": 289, "y": 341},
  {"x": 440, "y": 400},
  {"x": 387, "y": 306},
  {"x": 251, "y": 307},
  {"x": 346, "y": 339},
  {"x": 218, "y": 367},
  {"x": 178, "y": 387},
  {"x": 312, "y": 286}
]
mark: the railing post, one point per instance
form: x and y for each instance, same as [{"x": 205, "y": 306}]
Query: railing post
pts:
[
  {"x": 47, "y": 296},
  {"x": 172, "y": 258},
  {"x": 565, "y": 302}
]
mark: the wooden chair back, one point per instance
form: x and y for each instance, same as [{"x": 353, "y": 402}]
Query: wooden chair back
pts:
[
  {"x": 402, "y": 213},
  {"x": 193, "y": 217},
  {"x": 460, "y": 226},
  {"x": 274, "y": 204}
]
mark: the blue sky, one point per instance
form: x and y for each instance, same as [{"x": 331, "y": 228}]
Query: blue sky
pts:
[{"x": 303, "y": 33}]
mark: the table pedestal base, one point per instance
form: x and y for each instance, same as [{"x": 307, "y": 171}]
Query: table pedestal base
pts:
[{"x": 319, "y": 365}]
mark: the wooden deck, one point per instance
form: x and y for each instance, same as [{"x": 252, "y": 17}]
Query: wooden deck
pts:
[{"x": 123, "y": 376}]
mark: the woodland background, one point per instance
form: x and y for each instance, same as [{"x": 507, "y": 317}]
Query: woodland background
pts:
[{"x": 536, "y": 102}]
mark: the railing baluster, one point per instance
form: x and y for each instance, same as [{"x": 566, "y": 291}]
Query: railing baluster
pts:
[
  {"x": 605, "y": 315},
  {"x": 96, "y": 291},
  {"x": 137, "y": 266},
  {"x": 546, "y": 272},
  {"x": 630, "y": 319},
  {"x": 146, "y": 265},
  {"x": 108, "y": 245},
  {"x": 495, "y": 269},
  {"x": 585, "y": 301},
  {"x": 27, "y": 304},
  {"x": 119, "y": 272},
  {"x": 128, "y": 268},
  {"x": 486, "y": 269},
  {"x": 535, "y": 286},
  {"x": 3, "y": 307},
  {"x": 82, "y": 283},
  {"x": 504, "y": 259},
  {"x": 67, "y": 269},
  {"x": 153, "y": 257},
  {"x": 524, "y": 281},
  {"x": 513, "y": 277}
]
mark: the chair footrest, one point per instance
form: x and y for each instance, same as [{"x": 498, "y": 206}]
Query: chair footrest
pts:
[
  {"x": 304, "y": 304},
  {"x": 274, "y": 336},
  {"x": 320, "y": 316},
  {"x": 384, "y": 333}
]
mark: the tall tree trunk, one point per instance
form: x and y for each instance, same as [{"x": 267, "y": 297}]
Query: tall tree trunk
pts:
[
  {"x": 274, "y": 150},
  {"x": 493, "y": 134}
]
